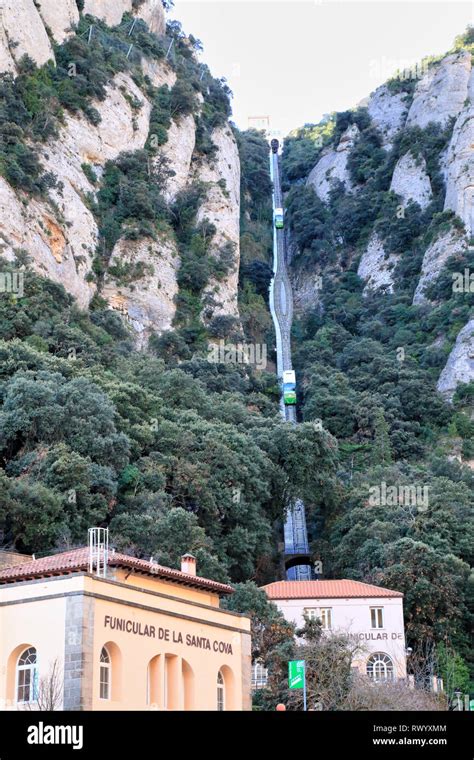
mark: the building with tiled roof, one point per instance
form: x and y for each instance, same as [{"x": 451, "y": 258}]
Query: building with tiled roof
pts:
[
  {"x": 123, "y": 633},
  {"x": 371, "y": 615},
  {"x": 78, "y": 559},
  {"x": 342, "y": 589}
]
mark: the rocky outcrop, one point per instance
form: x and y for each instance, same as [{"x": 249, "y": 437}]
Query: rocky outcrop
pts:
[
  {"x": 152, "y": 12},
  {"x": 459, "y": 165},
  {"x": 179, "y": 151},
  {"x": 375, "y": 267},
  {"x": 436, "y": 255},
  {"x": 22, "y": 32},
  {"x": 111, "y": 11},
  {"x": 141, "y": 284},
  {"x": 60, "y": 233},
  {"x": 410, "y": 180},
  {"x": 59, "y": 16},
  {"x": 24, "y": 24},
  {"x": 62, "y": 240},
  {"x": 306, "y": 287},
  {"x": 159, "y": 72},
  {"x": 121, "y": 128},
  {"x": 460, "y": 365},
  {"x": 31, "y": 226},
  {"x": 221, "y": 207},
  {"x": 441, "y": 92},
  {"x": 388, "y": 112},
  {"x": 142, "y": 279},
  {"x": 333, "y": 165}
]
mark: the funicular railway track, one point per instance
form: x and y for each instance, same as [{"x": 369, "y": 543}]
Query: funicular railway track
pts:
[{"x": 297, "y": 560}]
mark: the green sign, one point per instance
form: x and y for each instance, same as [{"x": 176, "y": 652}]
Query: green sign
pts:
[{"x": 296, "y": 674}]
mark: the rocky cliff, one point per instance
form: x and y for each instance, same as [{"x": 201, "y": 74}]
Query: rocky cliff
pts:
[
  {"x": 401, "y": 168},
  {"x": 332, "y": 165},
  {"x": 460, "y": 365},
  {"x": 60, "y": 231},
  {"x": 30, "y": 27}
]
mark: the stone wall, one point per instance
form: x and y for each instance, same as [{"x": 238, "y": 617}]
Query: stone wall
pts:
[{"x": 78, "y": 652}]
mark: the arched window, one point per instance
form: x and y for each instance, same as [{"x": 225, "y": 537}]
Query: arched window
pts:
[
  {"x": 105, "y": 679},
  {"x": 220, "y": 692},
  {"x": 27, "y": 676},
  {"x": 380, "y": 667}
]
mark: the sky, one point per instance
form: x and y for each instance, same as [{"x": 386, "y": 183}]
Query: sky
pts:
[{"x": 296, "y": 60}]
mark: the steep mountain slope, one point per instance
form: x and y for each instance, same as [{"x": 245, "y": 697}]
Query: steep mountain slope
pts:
[
  {"x": 106, "y": 88},
  {"x": 380, "y": 229},
  {"x": 125, "y": 198},
  {"x": 398, "y": 166},
  {"x": 120, "y": 188}
]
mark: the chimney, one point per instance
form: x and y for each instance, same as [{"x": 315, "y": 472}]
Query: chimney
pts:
[{"x": 188, "y": 564}]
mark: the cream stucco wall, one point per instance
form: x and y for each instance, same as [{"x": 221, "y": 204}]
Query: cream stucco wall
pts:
[
  {"x": 25, "y": 625},
  {"x": 353, "y": 616},
  {"x": 70, "y": 619}
]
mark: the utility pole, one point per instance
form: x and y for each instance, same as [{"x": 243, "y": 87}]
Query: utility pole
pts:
[{"x": 304, "y": 688}]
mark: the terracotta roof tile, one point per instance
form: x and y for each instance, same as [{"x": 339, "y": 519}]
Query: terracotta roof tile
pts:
[
  {"x": 326, "y": 590},
  {"x": 78, "y": 559}
]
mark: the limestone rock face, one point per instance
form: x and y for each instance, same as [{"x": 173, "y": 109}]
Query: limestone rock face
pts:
[
  {"x": 121, "y": 128},
  {"x": 31, "y": 226},
  {"x": 222, "y": 208},
  {"x": 459, "y": 165},
  {"x": 153, "y": 13},
  {"x": 62, "y": 245},
  {"x": 375, "y": 267},
  {"x": 111, "y": 11},
  {"x": 333, "y": 165},
  {"x": 411, "y": 181},
  {"x": 23, "y": 24},
  {"x": 22, "y": 32},
  {"x": 435, "y": 257},
  {"x": 59, "y": 16},
  {"x": 60, "y": 235},
  {"x": 460, "y": 365},
  {"x": 179, "y": 152},
  {"x": 146, "y": 302},
  {"x": 159, "y": 72},
  {"x": 388, "y": 112},
  {"x": 7, "y": 62},
  {"x": 306, "y": 290},
  {"x": 441, "y": 92}
]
